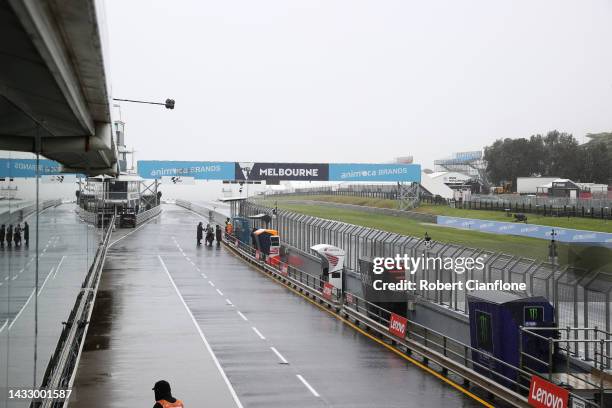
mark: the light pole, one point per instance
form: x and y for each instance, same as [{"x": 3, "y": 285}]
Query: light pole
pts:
[
  {"x": 552, "y": 255},
  {"x": 169, "y": 103}
]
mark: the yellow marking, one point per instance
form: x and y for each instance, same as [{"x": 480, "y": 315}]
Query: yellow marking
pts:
[{"x": 368, "y": 335}]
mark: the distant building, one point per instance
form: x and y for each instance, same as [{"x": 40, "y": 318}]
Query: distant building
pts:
[{"x": 470, "y": 164}]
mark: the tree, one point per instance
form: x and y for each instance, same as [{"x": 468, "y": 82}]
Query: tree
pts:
[{"x": 557, "y": 154}]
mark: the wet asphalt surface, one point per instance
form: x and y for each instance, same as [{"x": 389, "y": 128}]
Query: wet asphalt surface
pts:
[
  {"x": 276, "y": 348},
  {"x": 66, "y": 249}
]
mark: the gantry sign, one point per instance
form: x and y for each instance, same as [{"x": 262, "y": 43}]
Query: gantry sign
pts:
[{"x": 275, "y": 172}]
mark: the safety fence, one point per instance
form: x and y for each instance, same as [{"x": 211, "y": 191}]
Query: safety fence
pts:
[
  {"x": 147, "y": 215},
  {"x": 554, "y": 207},
  {"x": 62, "y": 366},
  {"x": 581, "y": 299},
  {"x": 430, "y": 347}
]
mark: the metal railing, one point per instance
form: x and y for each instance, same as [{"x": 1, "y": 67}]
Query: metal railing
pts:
[
  {"x": 147, "y": 215},
  {"x": 432, "y": 346},
  {"x": 63, "y": 363},
  {"x": 593, "y": 339},
  {"x": 581, "y": 299}
]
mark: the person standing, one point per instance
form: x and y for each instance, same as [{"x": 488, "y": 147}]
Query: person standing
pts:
[
  {"x": 26, "y": 234},
  {"x": 199, "y": 233},
  {"x": 9, "y": 235},
  {"x": 2, "y": 234},
  {"x": 218, "y": 234},
  {"x": 163, "y": 396},
  {"x": 17, "y": 235}
]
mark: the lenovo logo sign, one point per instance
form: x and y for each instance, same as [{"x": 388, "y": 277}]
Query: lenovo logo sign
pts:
[
  {"x": 284, "y": 269},
  {"x": 543, "y": 394},
  {"x": 397, "y": 325},
  {"x": 327, "y": 290}
]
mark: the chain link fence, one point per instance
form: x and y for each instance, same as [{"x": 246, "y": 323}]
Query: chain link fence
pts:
[{"x": 581, "y": 298}]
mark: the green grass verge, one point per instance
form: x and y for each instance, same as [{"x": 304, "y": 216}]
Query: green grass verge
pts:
[
  {"x": 575, "y": 222},
  {"x": 589, "y": 258}
]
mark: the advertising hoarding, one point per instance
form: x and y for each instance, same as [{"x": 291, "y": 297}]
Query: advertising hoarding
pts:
[{"x": 275, "y": 172}]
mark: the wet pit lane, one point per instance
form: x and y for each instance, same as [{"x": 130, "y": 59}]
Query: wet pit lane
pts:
[{"x": 169, "y": 309}]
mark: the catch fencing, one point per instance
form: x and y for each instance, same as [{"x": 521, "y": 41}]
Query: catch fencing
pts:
[
  {"x": 581, "y": 298},
  {"x": 546, "y": 206}
]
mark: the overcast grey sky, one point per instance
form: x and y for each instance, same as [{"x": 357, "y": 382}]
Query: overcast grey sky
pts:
[{"x": 356, "y": 80}]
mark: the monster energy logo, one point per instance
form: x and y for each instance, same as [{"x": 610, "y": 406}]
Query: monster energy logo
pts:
[
  {"x": 483, "y": 327},
  {"x": 484, "y": 332},
  {"x": 533, "y": 313}
]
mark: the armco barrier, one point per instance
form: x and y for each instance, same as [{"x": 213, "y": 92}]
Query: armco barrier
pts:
[{"x": 432, "y": 346}]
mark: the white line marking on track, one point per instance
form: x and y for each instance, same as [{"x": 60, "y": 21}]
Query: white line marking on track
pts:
[
  {"x": 14, "y": 277},
  {"x": 58, "y": 266},
  {"x": 45, "y": 282},
  {"x": 211, "y": 284},
  {"x": 312, "y": 390},
  {"x": 229, "y": 302},
  {"x": 22, "y": 309},
  {"x": 219, "y": 292},
  {"x": 187, "y": 258},
  {"x": 261, "y": 336},
  {"x": 195, "y": 323},
  {"x": 279, "y": 355},
  {"x": 134, "y": 230},
  {"x": 4, "y": 325},
  {"x": 204, "y": 276},
  {"x": 243, "y": 316}
]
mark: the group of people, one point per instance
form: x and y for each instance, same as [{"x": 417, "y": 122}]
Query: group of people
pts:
[
  {"x": 211, "y": 234},
  {"x": 10, "y": 235}
]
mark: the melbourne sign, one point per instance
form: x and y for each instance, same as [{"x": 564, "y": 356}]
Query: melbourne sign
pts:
[
  {"x": 543, "y": 394},
  {"x": 274, "y": 172},
  {"x": 282, "y": 171}
]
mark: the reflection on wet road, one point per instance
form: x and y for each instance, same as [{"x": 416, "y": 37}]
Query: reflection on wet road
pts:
[
  {"x": 169, "y": 309},
  {"x": 66, "y": 249}
]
